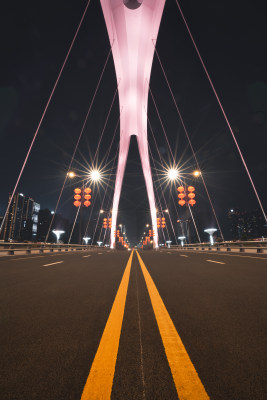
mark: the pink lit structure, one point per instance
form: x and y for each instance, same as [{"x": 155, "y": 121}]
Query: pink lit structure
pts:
[{"x": 133, "y": 28}]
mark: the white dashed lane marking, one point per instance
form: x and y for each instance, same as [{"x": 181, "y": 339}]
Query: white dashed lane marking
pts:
[
  {"x": 58, "y": 262},
  {"x": 217, "y": 262},
  {"x": 89, "y": 255},
  {"x": 183, "y": 255}
]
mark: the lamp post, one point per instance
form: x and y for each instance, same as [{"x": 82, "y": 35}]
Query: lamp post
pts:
[
  {"x": 182, "y": 238},
  {"x": 86, "y": 239},
  {"x": 58, "y": 233},
  {"x": 211, "y": 231},
  {"x": 99, "y": 243},
  {"x": 168, "y": 243}
]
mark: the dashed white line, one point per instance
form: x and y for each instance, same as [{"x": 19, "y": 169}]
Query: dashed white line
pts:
[
  {"x": 217, "y": 262},
  {"x": 183, "y": 255},
  {"x": 58, "y": 262},
  {"x": 89, "y": 255},
  {"x": 99, "y": 253}
]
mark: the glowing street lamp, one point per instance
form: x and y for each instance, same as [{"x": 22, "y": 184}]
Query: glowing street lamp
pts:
[
  {"x": 86, "y": 239},
  {"x": 168, "y": 243},
  {"x": 182, "y": 238},
  {"x": 71, "y": 174},
  {"x": 196, "y": 173},
  {"x": 211, "y": 231},
  {"x": 172, "y": 174},
  {"x": 99, "y": 243},
  {"x": 58, "y": 234},
  {"x": 95, "y": 175}
]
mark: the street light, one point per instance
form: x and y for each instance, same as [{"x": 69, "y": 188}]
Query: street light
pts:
[
  {"x": 58, "y": 233},
  {"x": 168, "y": 243},
  {"x": 147, "y": 225},
  {"x": 71, "y": 174},
  {"x": 211, "y": 231},
  {"x": 99, "y": 243},
  {"x": 86, "y": 239},
  {"x": 182, "y": 238},
  {"x": 95, "y": 175},
  {"x": 172, "y": 174},
  {"x": 166, "y": 211},
  {"x": 196, "y": 173}
]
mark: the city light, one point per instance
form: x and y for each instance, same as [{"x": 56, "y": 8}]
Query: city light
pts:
[
  {"x": 173, "y": 174},
  {"x": 95, "y": 175},
  {"x": 196, "y": 173},
  {"x": 71, "y": 174},
  {"x": 101, "y": 211},
  {"x": 58, "y": 234},
  {"x": 211, "y": 231},
  {"x": 86, "y": 239}
]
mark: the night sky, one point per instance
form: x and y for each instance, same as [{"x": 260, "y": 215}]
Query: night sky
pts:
[{"x": 231, "y": 37}]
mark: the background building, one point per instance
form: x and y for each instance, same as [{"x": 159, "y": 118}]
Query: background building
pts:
[
  {"x": 246, "y": 225},
  {"x": 22, "y": 219}
]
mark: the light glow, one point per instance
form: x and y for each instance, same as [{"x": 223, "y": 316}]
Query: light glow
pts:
[
  {"x": 95, "y": 175},
  {"x": 173, "y": 174}
]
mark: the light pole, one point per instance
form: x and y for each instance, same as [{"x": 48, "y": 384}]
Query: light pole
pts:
[
  {"x": 168, "y": 243},
  {"x": 58, "y": 233},
  {"x": 182, "y": 238},
  {"x": 86, "y": 239},
  {"x": 211, "y": 231}
]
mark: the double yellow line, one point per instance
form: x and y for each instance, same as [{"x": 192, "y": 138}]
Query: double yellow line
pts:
[{"x": 99, "y": 382}]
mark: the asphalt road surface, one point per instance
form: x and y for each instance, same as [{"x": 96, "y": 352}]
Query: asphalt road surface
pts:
[{"x": 158, "y": 325}]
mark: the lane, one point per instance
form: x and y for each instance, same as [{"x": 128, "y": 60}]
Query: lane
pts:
[
  {"x": 219, "y": 312},
  {"x": 100, "y": 379},
  {"x": 186, "y": 379},
  {"x": 52, "y": 320}
]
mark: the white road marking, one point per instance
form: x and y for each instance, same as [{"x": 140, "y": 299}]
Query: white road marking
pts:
[
  {"x": 99, "y": 253},
  {"x": 225, "y": 254},
  {"x": 89, "y": 255},
  {"x": 58, "y": 262},
  {"x": 217, "y": 262},
  {"x": 183, "y": 255}
]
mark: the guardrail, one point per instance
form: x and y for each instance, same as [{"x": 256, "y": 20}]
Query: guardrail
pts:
[
  {"x": 35, "y": 248},
  {"x": 241, "y": 247}
]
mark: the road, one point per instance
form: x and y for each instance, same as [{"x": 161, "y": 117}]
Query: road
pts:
[{"x": 121, "y": 325}]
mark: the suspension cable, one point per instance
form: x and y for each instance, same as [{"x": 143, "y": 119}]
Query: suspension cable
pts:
[
  {"x": 222, "y": 109},
  {"x": 43, "y": 115},
  {"x": 78, "y": 141},
  {"x": 189, "y": 141}
]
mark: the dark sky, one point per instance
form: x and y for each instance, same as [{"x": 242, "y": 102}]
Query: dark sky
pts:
[{"x": 231, "y": 36}]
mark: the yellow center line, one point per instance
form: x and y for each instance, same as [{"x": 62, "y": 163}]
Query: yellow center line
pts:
[
  {"x": 186, "y": 379},
  {"x": 99, "y": 382}
]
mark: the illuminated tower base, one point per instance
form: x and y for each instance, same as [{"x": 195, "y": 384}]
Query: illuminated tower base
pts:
[{"x": 133, "y": 28}]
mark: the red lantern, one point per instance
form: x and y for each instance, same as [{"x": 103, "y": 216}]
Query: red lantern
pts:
[
  {"x": 191, "y": 189},
  {"x": 77, "y": 203},
  {"x": 77, "y": 190},
  {"x": 77, "y": 197},
  {"x": 192, "y": 202},
  {"x": 87, "y": 190},
  {"x": 181, "y": 195},
  {"x": 110, "y": 223},
  {"x": 87, "y": 196},
  {"x": 191, "y": 195},
  {"x": 180, "y": 189},
  {"x": 87, "y": 203},
  {"x": 181, "y": 202}
]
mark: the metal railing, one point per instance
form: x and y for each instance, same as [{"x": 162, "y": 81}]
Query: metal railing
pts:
[
  {"x": 241, "y": 247},
  {"x": 34, "y": 248}
]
